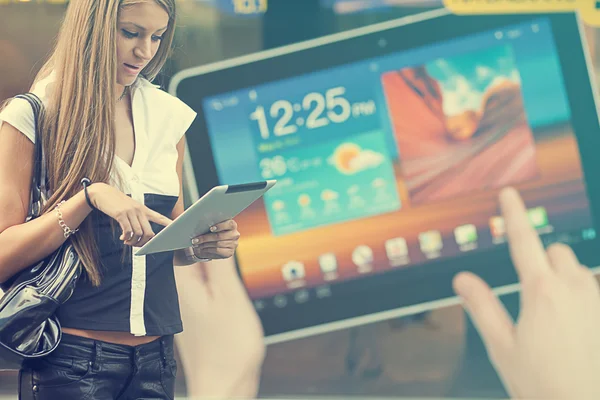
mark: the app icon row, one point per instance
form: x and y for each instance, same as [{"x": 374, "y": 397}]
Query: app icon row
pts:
[{"x": 430, "y": 243}]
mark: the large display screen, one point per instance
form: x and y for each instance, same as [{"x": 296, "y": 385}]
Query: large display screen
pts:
[
  {"x": 390, "y": 145},
  {"x": 391, "y": 162}
]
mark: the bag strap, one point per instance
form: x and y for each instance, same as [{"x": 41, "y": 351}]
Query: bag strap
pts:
[{"x": 39, "y": 179}]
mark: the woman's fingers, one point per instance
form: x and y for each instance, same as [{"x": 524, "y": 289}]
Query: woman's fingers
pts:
[
  {"x": 215, "y": 237},
  {"x": 147, "y": 232},
  {"x": 126, "y": 229},
  {"x": 220, "y": 244},
  {"x": 157, "y": 217},
  {"x": 136, "y": 229},
  {"x": 229, "y": 225},
  {"x": 133, "y": 217},
  {"x": 562, "y": 259}
]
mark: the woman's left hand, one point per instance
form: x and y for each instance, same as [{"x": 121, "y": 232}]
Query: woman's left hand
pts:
[{"x": 220, "y": 243}]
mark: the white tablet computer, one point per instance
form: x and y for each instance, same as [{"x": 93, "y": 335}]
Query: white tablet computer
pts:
[{"x": 220, "y": 204}]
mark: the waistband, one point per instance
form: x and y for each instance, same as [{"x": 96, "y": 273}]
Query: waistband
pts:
[{"x": 99, "y": 352}]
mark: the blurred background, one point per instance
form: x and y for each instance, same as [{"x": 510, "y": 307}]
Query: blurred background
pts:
[{"x": 437, "y": 354}]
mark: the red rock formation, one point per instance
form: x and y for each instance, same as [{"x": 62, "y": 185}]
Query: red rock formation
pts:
[{"x": 444, "y": 157}]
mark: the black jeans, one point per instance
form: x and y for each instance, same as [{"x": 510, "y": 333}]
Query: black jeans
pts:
[{"x": 83, "y": 368}]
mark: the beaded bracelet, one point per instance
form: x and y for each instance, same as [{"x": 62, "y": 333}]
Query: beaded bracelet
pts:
[{"x": 66, "y": 230}]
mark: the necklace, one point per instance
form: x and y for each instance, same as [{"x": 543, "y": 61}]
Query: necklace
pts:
[{"x": 122, "y": 95}]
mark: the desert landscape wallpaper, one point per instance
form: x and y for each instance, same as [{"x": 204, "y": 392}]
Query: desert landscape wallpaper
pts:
[{"x": 482, "y": 140}]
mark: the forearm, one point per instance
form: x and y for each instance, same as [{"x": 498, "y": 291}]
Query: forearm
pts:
[
  {"x": 25, "y": 244},
  {"x": 222, "y": 346}
]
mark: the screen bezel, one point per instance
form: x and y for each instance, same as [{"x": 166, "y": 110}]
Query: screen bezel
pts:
[{"x": 381, "y": 294}]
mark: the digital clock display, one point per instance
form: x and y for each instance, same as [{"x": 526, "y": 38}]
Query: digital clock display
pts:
[
  {"x": 320, "y": 109},
  {"x": 389, "y": 163}
]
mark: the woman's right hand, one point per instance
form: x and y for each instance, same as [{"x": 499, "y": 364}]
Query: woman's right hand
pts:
[{"x": 133, "y": 217}]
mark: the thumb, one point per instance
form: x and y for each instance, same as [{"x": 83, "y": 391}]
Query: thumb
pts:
[{"x": 494, "y": 324}]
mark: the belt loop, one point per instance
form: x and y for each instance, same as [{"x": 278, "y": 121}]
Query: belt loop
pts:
[
  {"x": 97, "y": 360},
  {"x": 27, "y": 388}
]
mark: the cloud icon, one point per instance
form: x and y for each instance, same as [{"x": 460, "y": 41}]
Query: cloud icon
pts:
[
  {"x": 349, "y": 159},
  {"x": 365, "y": 160},
  {"x": 352, "y": 190},
  {"x": 378, "y": 183},
  {"x": 329, "y": 195}
]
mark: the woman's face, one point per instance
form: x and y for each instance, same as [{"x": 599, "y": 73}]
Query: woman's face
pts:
[{"x": 139, "y": 33}]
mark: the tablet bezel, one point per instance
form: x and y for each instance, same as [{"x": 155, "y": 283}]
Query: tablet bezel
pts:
[{"x": 380, "y": 297}]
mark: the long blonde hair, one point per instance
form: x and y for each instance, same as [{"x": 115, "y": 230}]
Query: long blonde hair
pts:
[{"x": 78, "y": 128}]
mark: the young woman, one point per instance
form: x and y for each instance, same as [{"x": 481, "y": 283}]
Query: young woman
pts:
[{"x": 105, "y": 121}]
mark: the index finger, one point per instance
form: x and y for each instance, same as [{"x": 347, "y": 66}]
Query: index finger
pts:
[
  {"x": 157, "y": 217},
  {"x": 526, "y": 248}
]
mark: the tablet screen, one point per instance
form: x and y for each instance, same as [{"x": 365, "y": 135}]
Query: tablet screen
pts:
[{"x": 389, "y": 164}]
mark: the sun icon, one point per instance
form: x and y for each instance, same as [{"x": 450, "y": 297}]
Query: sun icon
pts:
[{"x": 304, "y": 200}]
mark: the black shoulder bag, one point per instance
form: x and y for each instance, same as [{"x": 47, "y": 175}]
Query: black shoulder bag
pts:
[{"x": 29, "y": 327}]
